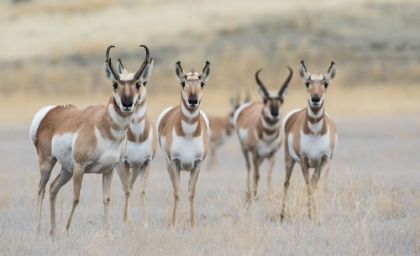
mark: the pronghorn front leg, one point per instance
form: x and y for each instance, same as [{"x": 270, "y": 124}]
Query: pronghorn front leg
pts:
[
  {"x": 316, "y": 176},
  {"x": 192, "y": 183},
  {"x": 106, "y": 189},
  {"x": 78, "y": 173},
  {"x": 256, "y": 162},
  {"x": 290, "y": 163},
  {"x": 305, "y": 172},
  {"x": 248, "y": 170},
  {"x": 144, "y": 174},
  {"x": 270, "y": 173},
  {"x": 123, "y": 170},
  {"x": 174, "y": 174}
]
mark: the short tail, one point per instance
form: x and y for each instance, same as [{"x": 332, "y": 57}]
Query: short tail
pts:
[{"x": 36, "y": 121}]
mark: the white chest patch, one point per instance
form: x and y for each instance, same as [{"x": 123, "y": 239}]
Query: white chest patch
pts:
[
  {"x": 138, "y": 129},
  {"x": 187, "y": 150},
  {"x": 138, "y": 153},
  {"x": 108, "y": 153},
  {"x": 62, "y": 149},
  {"x": 314, "y": 147},
  {"x": 266, "y": 148}
]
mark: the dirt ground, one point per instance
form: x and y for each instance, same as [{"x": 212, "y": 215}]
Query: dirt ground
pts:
[{"x": 370, "y": 203}]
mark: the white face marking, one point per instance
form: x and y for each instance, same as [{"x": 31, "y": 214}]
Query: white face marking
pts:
[
  {"x": 37, "y": 120},
  {"x": 320, "y": 102},
  {"x": 62, "y": 148}
]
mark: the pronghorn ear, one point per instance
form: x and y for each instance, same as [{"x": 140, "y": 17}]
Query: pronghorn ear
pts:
[
  {"x": 206, "y": 71},
  {"x": 303, "y": 72},
  {"x": 147, "y": 72},
  {"x": 120, "y": 67},
  {"x": 108, "y": 73},
  {"x": 331, "y": 72},
  {"x": 179, "y": 72}
]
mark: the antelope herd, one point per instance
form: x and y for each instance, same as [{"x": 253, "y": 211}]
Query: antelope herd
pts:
[{"x": 121, "y": 135}]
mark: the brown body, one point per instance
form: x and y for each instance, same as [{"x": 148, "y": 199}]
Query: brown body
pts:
[
  {"x": 85, "y": 141},
  {"x": 258, "y": 128},
  {"x": 183, "y": 134},
  {"x": 310, "y": 135}
]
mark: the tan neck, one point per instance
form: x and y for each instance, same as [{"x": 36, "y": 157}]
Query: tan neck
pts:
[
  {"x": 314, "y": 120},
  {"x": 113, "y": 123}
]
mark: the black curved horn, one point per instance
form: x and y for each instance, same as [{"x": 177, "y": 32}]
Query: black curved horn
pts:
[
  {"x": 144, "y": 64},
  {"x": 286, "y": 83},
  {"x": 109, "y": 62},
  {"x": 260, "y": 84}
]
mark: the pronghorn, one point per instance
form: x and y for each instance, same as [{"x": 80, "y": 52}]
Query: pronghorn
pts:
[
  {"x": 183, "y": 133},
  {"x": 222, "y": 127},
  {"x": 258, "y": 129},
  {"x": 141, "y": 148},
  {"x": 310, "y": 135},
  {"x": 91, "y": 140}
]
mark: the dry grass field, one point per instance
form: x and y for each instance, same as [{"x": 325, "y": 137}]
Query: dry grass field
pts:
[{"x": 53, "y": 52}]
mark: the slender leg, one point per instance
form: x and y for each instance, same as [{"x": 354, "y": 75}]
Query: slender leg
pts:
[
  {"x": 174, "y": 174},
  {"x": 248, "y": 170},
  {"x": 212, "y": 156},
  {"x": 289, "y": 163},
  {"x": 45, "y": 167},
  {"x": 316, "y": 176},
  {"x": 144, "y": 174},
  {"x": 193, "y": 182},
  {"x": 106, "y": 189},
  {"x": 256, "y": 163},
  {"x": 123, "y": 170},
  {"x": 63, "y": 177},
  {"x": 305, "y": 172},
  {"x": 78, "y": 173},
  {"x": 270, "y": 172}
]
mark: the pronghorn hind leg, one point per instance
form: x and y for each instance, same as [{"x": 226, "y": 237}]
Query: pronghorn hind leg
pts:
[
  {"x": 78, "y": 173},
  {"x": 45, "y": 168},
  {"x": 289, "y": 163},
  {"x": 63, "y": 177},
  {"x": 144, "y": 174},
  {"x": 270, "y": 173},
  {"x": 192, "y": 184},
  {"x": 123, "y": 170},
  {"x": 106, "y": 190},
  {"x": 248, "y": 170}
]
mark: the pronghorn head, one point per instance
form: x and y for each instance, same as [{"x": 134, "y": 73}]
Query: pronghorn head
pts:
[
  {"x": 129, "y": 88},
  {"x": 274, "y": 100},
  {"x": 236, "y": 102},
  {"x": 192, "y": 84},
  {"x": 316, "y": 84}
]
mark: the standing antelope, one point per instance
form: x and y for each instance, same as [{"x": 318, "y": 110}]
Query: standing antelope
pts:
[
  {"x": 258, "y": 129},
  {"x": 141, "y": 148},
  {"x": 91, "y": 140},
  {"x": 183, "y": 133},
  {"x": 310, "y": 135},
  {"x": 222, "y": 127}
]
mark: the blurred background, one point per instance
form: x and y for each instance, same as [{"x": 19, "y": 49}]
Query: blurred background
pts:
[{"x": 52, "y": 52}]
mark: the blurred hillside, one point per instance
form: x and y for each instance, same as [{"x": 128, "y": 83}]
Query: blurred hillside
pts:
[{"x": 57, "y": 48}]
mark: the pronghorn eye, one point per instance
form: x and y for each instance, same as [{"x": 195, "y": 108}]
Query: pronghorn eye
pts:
[
  {"x": 307, "y": 84},
  {"x": 265, "y": 101},
  {"x": 326, "y": 84},
  {"x": 115, "y": 85},
  {"x": 145, "y": 83},
  {"x": 202, "y": 84},
  {"x": 183, "y": 84},
  {"x": 199, "y": 77},
  {"x": 138, "y": 86}
]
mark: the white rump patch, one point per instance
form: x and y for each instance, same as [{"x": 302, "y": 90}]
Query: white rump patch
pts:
[
  {"x": 36, "y": 121},
  {"x": 238, "y": 111}
]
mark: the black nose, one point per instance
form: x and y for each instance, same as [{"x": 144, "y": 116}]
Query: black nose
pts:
[
  {"x": 316, "y": 98},
  {"x": 126, "y": 101},
  {"x": 192, "y": 101}
]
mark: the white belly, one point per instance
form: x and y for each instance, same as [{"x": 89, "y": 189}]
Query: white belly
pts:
[
  {"x": 138, "y": 153},
  {"x": 187, "y": 150},
  {"x": 315, "y": 147},
  {"x": 62, "y": 149}
]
